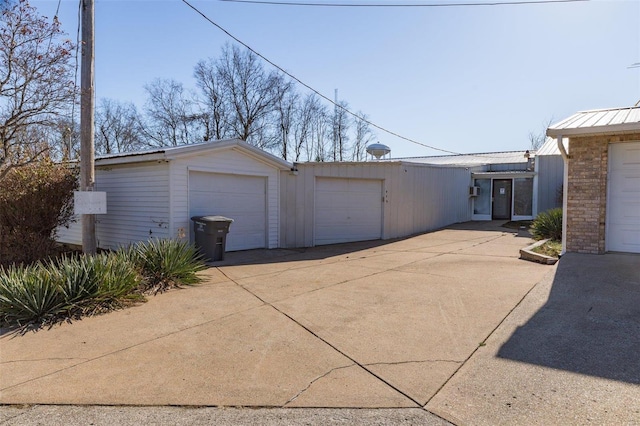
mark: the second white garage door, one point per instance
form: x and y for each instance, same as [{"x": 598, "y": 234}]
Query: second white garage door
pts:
[
  {"x": 347, "y": 210},
  {"x": 623, "y": 213},
  {"x": 239, "y": 197}
]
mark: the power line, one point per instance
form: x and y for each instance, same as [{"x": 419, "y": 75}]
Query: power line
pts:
[
  {"x": 311, "y": 88},
  {"x": 316, "y": 4},
  {"x": 75, "y": 80}
]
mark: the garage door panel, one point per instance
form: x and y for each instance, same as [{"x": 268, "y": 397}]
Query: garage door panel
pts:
[
  {"x": 623, "y": 204},
  {"x": 239, "y": 197},
  {"x": 626, "y": 238},
  {"x": 347, "y": 210}
]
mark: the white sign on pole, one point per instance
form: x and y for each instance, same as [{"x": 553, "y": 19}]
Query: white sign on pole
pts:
[{"x": 90, "y": 202}]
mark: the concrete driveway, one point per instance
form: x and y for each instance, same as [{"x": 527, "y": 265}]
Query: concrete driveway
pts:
[{"x": 401, "y": 324}]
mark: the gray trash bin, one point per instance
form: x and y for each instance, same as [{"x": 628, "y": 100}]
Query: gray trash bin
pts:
[{"x": 211, "y": 235}]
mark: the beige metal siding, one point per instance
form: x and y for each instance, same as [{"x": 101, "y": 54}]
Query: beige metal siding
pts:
[
  {"x": 550, "y": 169},
  {"x": 417, "y": 198}
]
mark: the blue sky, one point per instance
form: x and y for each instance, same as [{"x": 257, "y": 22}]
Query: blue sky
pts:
[{"x": 465, "y": 79}]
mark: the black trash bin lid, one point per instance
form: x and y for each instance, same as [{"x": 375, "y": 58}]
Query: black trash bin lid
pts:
[{"x": 212, "y": 219}]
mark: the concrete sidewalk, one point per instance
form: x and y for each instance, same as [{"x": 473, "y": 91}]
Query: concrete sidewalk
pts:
[{"x": 381, "y": 325}]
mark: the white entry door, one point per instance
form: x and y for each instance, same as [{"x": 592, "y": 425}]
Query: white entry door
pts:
[
  {"x": 623, "y": 203},
  {"x": 347, "y": 210},
  {"x": 239, "y": 197}
]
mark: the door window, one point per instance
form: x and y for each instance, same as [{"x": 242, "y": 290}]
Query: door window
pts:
[{"x": 523, "y": 196}]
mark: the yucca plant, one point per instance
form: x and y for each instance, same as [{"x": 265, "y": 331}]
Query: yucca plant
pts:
[
  {"x": 118, "y": 277},
  {"x": 166, "y": 263},
  {"x": 76, "y": 277},
  {"x": 548, "y": 224},
  {"x": 97, "y": 283},
  {"x": 29, "y": 295}
]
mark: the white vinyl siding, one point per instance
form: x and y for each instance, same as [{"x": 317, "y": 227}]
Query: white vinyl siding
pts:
[
  {"x": 137, "y": 206},
  {"x": 148, "y": 194},
  {"x": 347, "y": 210},
  {"x": 623, "y": 204}
]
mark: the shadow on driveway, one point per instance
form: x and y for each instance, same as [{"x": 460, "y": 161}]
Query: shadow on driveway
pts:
[
  {"x": 591, "y": 322},
  {"x": 268, "y": 256}
]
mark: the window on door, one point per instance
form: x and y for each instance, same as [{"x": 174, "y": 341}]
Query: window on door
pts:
[
  {"x": 482, "y": 203},
  {"x": 523, "y": 196}
]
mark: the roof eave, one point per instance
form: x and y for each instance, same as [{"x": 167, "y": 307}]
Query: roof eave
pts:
[
  {"x": 594, "y": 131},
  {"x": 130, "y": 159}
]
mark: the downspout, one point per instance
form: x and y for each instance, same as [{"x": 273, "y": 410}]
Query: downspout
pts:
[{"x": 565, "y": 192}]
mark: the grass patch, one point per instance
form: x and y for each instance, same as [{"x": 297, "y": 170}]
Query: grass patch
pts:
[{"x": 551, "y": 248}]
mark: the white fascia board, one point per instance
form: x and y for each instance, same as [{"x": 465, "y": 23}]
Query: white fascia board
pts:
[
  {"x": 595, "y": 130},
  {"x": 132, "y": 158},
  {"x": 502, "y": 175}
]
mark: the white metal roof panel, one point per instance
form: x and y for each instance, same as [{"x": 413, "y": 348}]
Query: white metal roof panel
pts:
[
  {"x": 168, "y": 153},
  {"x": 594, "y": 122},
  {"x": 550, "y": 147},
  {"x": 470, "y": 159}
]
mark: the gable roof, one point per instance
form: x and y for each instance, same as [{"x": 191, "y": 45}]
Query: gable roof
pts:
[
  {"x": 169, "y": 153},
  {"x": 599, "y": 121}
]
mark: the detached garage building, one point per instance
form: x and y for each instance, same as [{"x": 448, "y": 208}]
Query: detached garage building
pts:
[
  {"x": 602, "y": 177},
  {"x": 153, "y": 194},
  {"x": 328, "y": 203},
  {"x": 273, "y": 203}
]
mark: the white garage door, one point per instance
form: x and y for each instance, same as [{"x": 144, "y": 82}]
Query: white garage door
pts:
[
  {"x": 239, "y": 197},
  {"x": 623, "y": 213},
  {"x": 347, "y": 210}
]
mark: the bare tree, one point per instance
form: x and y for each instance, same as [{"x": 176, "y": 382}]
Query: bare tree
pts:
[
  {"x": 35, "y": 82},
  {"x": 341, "y": 127},
  {"x": 118, "y": 127},
  {"x": 214, "y": 110},
  {"x": 285, "y": 114},
  {"x": 171, "y": 120},
  {"x": 303, "y": 126},
  {"x": 321, "y": 131},
  {"x": 64, "y": 139},
  {"x": 252, "y": 92},
  {"x": 363, "y": 137},
  {"x": 538, "y": 139}
]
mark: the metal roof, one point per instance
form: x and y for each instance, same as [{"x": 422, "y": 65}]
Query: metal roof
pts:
[
  {"x": 168, "y": 153},
  {"x": 470, "y": 159},
  {"x": 550, "y": 147},
  {"x": 600, "y": 121}
]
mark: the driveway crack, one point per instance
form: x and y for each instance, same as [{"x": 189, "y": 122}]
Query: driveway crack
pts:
[
  {"x": 315, "y": 380},
  {"x": 42, "y": 359},
  {"x": 453, "y": 361},
  {"x": 332, "y": 346}
]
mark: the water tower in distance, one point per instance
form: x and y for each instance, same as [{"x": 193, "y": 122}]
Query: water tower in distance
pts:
[{"x": 378, "y": 150}]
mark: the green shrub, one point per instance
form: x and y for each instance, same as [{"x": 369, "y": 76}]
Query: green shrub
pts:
[
  {"x": 97, "y": 283},
  {"x": 28, "y": 295},
  {"x": 76, "y": 285},
  {"x": 119, "y": 277},
  {"x": 34, "y": 200},
  {"x": 166, "y": 263},
  {"x": 548, "y": 224}
]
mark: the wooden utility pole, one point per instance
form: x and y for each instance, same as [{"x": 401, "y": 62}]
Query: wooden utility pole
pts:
[{"x": 87, "y": 107}]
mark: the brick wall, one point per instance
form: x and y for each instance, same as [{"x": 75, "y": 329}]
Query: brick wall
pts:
[{"x": 587, "y": 191}]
